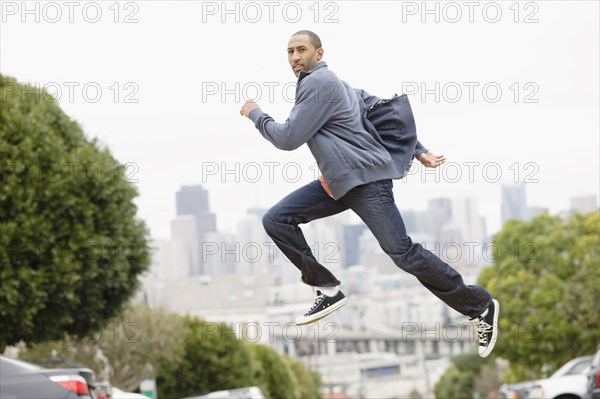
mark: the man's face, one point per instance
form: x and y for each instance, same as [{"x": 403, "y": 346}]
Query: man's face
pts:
[{"x": 302, "y": 55}]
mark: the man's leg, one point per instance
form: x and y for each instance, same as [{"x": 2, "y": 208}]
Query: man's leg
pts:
[
  {"x": 374, "y": 204},
  {"x": 281, "y": 222}
]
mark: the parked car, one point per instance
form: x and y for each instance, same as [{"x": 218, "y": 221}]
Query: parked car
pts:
[
  {"x": 238, "y": 393},
  {"x": 24, "y": 380},
  {"x": 564, "y": 381},
  {"x": 515, "y": 391},
  {"x": 593, "y": 378},
  {"x": 103, "y": 390},
  {"x": 568, "y": 382}
]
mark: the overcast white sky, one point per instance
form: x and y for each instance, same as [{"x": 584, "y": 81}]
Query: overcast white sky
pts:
[{"x": 511, "y": 89}]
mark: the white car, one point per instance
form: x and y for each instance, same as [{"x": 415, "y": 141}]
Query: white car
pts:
[{"x": 568, "y": 382}]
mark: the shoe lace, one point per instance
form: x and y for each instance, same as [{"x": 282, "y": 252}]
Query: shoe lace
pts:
[
  {"x": 483, "y": 329},
  {"x": 318, "y": 299}
]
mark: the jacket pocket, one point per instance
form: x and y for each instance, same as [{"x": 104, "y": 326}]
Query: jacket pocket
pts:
[{"x": 339, "y": 154}]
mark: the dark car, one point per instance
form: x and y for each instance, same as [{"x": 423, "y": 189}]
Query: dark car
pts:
[
  {"x": 23, "y": 380},
  {"x": 593, "y": 378}
]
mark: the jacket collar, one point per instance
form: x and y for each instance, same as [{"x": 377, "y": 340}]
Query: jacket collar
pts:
[{"x": 318, "y": 65}]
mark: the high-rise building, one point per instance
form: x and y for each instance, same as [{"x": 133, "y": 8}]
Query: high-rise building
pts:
[
  {"x": 184, "y": 230},
  {"x": 409, "y": 217},
  {"x": 465, "y": 215},
  {"x": 451, "y": 233},
  {"x": 351, "y": 243},
  {"x": 440, "y": 213},
  {"x": 584, "y": 203},
  {"x": 514, "y": 202},
  {"x": 222, "y": 254},
  {"x": 443, "y": 205},
  {"x": 193, "y": 201},
  {"x": 169, "y": 262},
  {"x": 325, "y": 239},
  {"x": 424, "y": 223},
  {"x": 254, "y": 243}
]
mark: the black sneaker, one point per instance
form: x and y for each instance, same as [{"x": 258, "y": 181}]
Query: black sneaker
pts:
[
  {"x": 323, "y": 306},
  {"x": 487, "y": 329}
]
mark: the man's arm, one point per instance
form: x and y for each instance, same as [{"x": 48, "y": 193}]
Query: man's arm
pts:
[
  {"x": 420, "y": 149},
  {"x": 312, "y": 110}
]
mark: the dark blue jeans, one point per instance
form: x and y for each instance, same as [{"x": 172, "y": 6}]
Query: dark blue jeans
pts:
[{"x": 374, "y": 204}]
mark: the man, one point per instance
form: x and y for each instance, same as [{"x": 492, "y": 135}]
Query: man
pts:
[{"x": 357, "y": 173}]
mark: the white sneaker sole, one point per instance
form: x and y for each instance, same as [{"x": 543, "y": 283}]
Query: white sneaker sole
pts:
[
  {"x": 485, "y": 352},
  {"x": 302, "y": 320}
]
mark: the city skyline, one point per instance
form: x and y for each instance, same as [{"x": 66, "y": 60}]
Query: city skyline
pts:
[{"x": 521, "y": 209}]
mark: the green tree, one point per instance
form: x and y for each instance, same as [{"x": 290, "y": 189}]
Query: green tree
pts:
[
  {"x": 454, "y": 384},
  {"x": 278, "y": 380},
  {"x": 309, "y": 382},
  {"x": 136, "y": 344},
  {"x": 213, "y": 360},
  {"x": 71, "y": 247},
  {"x": 461, "y": 378},
  {"x": 546, "y": 275}
]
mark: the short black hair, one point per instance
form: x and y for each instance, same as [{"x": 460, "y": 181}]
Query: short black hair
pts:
[{"x": 312, "y": 37}]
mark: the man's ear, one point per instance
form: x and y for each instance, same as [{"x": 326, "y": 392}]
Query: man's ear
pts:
[{"x": 320, "y": 52}]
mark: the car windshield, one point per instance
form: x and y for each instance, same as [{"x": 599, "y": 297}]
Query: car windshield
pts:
[{"x": 573, "y": 368}]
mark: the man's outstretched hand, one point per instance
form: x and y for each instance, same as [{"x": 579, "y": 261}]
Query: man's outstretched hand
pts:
[
  {"x": 430, "y": 160},
  {"x": 247, "y": 107}
]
